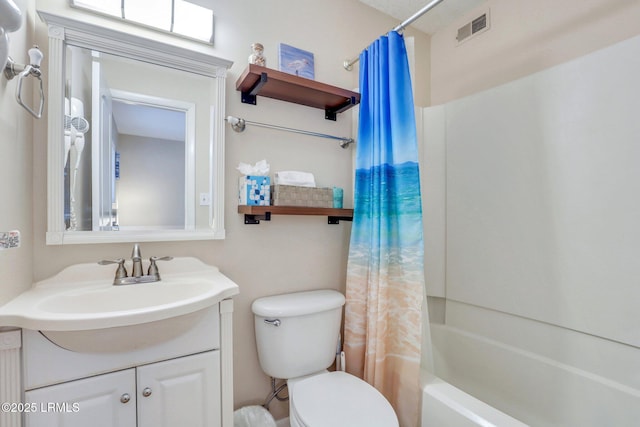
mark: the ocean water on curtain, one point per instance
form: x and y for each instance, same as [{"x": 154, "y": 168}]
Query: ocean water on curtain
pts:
[
  {"x": 387, "y": 250},
  {"x": 389, "y": 211}
]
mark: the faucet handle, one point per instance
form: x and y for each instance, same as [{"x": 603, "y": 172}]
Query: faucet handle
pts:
[
  {"x": 121, "y": 271},
  {"x": 153, "y": 268}
]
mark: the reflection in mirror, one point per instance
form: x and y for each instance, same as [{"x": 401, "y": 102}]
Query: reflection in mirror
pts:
[
  {"x": 151, "y": 158},
  {"x": 133, "y": 170},
  {"x": 125, "y": 157}
]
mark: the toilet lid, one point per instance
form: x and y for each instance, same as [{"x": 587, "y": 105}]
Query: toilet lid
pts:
[{"x": 340, "y": 399}]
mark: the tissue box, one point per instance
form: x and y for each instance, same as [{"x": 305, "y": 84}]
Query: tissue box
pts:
[
  {"x": 254, "y": 190},
  {"x": 292, "y": 195}
]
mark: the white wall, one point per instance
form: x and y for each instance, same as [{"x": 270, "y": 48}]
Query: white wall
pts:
[
  {"x": 16, "y": 170},
  {"x": 525, "y": 37},
  {"x": 151, "y": 187}
]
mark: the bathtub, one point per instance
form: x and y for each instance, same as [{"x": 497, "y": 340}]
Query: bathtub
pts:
[
  {"x": 509, "y": 371},
  {"x": 444, "y": 405}
]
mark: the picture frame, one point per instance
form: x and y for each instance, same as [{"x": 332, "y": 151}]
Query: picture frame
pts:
[{"x": 298, "y": 62}]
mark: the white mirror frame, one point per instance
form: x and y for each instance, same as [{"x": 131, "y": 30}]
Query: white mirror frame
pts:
[{"x": 64, "y": 31}]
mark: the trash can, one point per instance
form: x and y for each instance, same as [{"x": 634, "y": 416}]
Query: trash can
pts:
[{"x": 253, "y": 416}]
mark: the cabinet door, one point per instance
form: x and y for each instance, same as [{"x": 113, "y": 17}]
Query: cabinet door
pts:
[
  {"x": 180, "y": 392},
  {"x": 99, "y": 401}
]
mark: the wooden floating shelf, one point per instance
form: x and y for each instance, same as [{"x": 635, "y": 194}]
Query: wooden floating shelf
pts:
[
  {"x": 254, "y": 214},
  {"x": 257, "y": 80}
]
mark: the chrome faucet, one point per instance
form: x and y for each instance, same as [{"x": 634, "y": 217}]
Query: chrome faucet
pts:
[
  {"x": 137, "y": 261},
  {"x": 121, "y": 278}
]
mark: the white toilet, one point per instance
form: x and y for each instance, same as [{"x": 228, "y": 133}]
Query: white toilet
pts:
[{"x": 296, "y": 335}]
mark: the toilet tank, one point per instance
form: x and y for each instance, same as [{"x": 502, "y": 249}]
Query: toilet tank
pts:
[{"x": 297, "y": 333}]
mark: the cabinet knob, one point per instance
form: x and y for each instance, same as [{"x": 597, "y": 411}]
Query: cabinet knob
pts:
[
  {"x": 146, "y": 392},
  {"x": 125, "y": 398}
]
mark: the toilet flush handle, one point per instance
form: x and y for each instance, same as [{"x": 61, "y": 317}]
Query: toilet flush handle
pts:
[{"x": 274, "y": 322}]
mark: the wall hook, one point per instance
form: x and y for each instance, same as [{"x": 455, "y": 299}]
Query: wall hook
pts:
[{"x": 12, "y": 69}]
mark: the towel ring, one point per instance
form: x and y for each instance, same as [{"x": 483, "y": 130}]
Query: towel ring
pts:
[{"x": 12, "y": 69}]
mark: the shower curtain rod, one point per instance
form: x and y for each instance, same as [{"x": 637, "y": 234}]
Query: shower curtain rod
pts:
[{"x": 348, "y": 64}]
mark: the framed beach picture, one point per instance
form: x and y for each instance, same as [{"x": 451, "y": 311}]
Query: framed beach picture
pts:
[{"x": 296, "y": 61}]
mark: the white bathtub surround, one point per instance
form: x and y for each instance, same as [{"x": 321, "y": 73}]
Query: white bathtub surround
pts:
[
  {"x": 541, "y": 234},
  {"x": 536, "y": 372}
]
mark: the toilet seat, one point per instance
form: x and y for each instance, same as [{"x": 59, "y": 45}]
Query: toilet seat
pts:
[{"x": 335, "y": 399}]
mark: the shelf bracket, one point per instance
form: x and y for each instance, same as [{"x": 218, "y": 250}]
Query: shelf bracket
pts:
[
  {"x": 249, "y": 96},
  {"x": 255, "y": 219},
  {"x": 331, "y": 113},
  {"x": 336, "y": 219}
]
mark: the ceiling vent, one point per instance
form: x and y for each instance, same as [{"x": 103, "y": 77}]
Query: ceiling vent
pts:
[{"x": 478, "y": 26}]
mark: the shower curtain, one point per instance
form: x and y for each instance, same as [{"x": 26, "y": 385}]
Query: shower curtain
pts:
[{"x": 385, "y": 273}]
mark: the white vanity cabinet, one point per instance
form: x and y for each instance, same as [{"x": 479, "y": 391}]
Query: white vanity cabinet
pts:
[
  {"x": 107, "y": 400},
  {"x": 179, "y": 392},
  {"x": 185, "y": 380}
]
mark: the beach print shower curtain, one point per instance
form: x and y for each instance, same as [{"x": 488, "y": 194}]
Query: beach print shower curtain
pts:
[{"x": 385, "y": 276}]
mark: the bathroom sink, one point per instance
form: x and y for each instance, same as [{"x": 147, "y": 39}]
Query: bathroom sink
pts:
[
  {"x": 126, "y": 300},
  {"x": 81, "y": 310}
]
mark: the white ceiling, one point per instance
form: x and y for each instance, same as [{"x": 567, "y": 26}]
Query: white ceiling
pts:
[
  {"x": 435, "y": 19},
  {"x": 149, "y": 121}
]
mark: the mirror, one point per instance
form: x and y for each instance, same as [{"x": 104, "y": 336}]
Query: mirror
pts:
[
  {"x": 136, "y": 138},
  {"x": 130, "y": 156}
]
